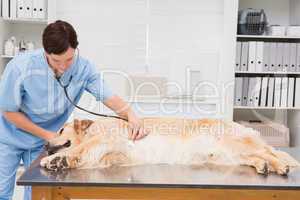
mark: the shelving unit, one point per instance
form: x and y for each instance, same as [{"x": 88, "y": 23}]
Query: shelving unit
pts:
[{"x": 285, "y": 13}]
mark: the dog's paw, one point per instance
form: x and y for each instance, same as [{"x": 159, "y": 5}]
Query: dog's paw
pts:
[
  {"x": 55, "y": 163},
  {"x": 283, "y": 170},
  {"x": 264, "y": 169}
]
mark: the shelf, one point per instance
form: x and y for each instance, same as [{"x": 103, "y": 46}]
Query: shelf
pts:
[
  {"x": 29, "y": 21},
  {"x": 268, "y": 37},
  {"x": 266, "y": 108},
  {"x": 5, "y": 56},
  {"x": 280, "y": 73}
]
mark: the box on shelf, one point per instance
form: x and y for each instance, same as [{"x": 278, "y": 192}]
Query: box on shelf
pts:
[{"x": 275, "y": 134}]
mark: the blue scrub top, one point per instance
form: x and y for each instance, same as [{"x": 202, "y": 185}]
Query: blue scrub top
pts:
[{"x": 28, "y": 85}]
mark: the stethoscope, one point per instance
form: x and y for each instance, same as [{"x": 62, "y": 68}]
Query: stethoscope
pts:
[{"x": 65, "y": 87}]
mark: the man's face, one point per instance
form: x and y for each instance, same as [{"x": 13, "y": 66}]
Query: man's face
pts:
[{"x": 60, "y": 63}]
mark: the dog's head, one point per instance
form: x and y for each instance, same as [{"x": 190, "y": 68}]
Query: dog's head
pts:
[{"x": 68, "y": 136}]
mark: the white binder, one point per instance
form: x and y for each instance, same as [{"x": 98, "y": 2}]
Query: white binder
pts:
[
  {"x": 35, "y": 5},
  {"x": 253, "y": 91},
  {"x": 256, "y": 92},
  {"x": 271, "y": 92},
  {"x": 238, "y": 56},
  {"x": 297, "y": 93},
  {"x": 252, "y": 56},
  {"x": 42, "y": 9},
  {"x": 238, "y": 91},
  {"x": 13, "y": 9},
  {"x": 28, "y": 9},
  {"x": 298, "y": 58},
  {"x": 266, "y": 59},
  {"x": 245, "y": 91},
  {"x": 264, "y": 89},
  {"x": 273, "y": 66},
  {"x": 5, "y": 9},
  {"x": 20, "y": 9},
  {"x": 244, "y": 56},
  {"x": 279, "y": 57},
  {"x": 291, "y": 92},
  {"x": 277, "y": 92},
  {"x": 259, "y": 56},
  {"x": 286, "y": 57},
  {"x": 284, "y": 92},
  {"x": 293, "y": 57}
]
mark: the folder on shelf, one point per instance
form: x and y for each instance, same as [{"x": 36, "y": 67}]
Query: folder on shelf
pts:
[
  {"x": 5, "y": 9},
  {"x": 297, "y": 92},
  {"x": 279, "y": 57},
  {"x": 266, "y": 57},
  {"x": 35, "y": 5},
  {"x": 270, "y": 101},
  {"x": 293, "y": 57},
  {"x": 245, "y": 91},
  {"x": 298, "y": 58},
  {"x": 273, "y": 66},
  {"x": 42, "y": 9},
  {"x": 20, "y": 8},
  {"x": 264, "y": 89},
  {"x": 238, "y": 56},
  {"x": 252, "y": 56},
  {"x": 13, "y": 9},
  {"x": 286, "y": 57},
  {"x": 253, "y": 91},
  {"x": 244, "y": 56},
  {"x": 259, "y": 56},
  {"x": 284, "y": 92},
  {"x": 291, "y": 92},
  {"x": 277, "y": 92},
  {"x": 238, "y": 91},
  {"x": 28, "y": 9}
]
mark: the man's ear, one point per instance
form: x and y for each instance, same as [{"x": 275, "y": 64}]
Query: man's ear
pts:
[{"x": 81, "y": 125}]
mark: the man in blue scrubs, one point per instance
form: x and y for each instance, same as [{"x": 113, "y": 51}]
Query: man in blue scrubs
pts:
[{"x": 33, "y": 104}]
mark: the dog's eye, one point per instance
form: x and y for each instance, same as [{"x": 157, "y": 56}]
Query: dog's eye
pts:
[{"x": 61, "y": 130}]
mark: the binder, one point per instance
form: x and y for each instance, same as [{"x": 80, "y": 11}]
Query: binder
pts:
[
  {"x": 264, "y": 89},
  {"x": 279, "y": 57},
  {"x": 238, "y": 56},
  {"x": 272, "y": 66},
  {"x": 245, "y": 91},
  {"x": 41, "y": 9},
  {"x": 13, "y": 9},
  {"x": 266, "y": 59},
  {"x": 28, "y": 9},
  {"x": 253, "y": 91},
  {"x": 277, "y": 92},
  {"x": 291, "y": 92},
  {"x": 244, "y": 56},
  {"x": 284, "y": 92},
  {"x": 238, "y": 91},
  {"x": 259, "y": 56},
  {"x": 270, "y": 101},
  {"x": 20, "y": 9},
  {"x": 298, "y": 57},
  {"x": 286, "y": 57},
  {"x": 293, "y": 57},
  {"x": 35, "y": 5},
  {"x": 252, "y": 56},
  {"x": 5, "y": 9},
  {"x": 297, "y": 93}
]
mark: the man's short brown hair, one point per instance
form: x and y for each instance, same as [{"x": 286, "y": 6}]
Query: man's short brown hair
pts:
[{"x": 58, "y": 37}]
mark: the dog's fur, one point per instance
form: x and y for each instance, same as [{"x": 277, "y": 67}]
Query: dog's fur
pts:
[{"x": 104, "y": 142}]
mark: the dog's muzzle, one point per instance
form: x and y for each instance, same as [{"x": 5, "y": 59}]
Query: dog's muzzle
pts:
[{"x": 53, "y": 149}]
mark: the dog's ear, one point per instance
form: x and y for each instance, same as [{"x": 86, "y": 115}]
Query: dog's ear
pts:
[{"x": 81, "y": 125}]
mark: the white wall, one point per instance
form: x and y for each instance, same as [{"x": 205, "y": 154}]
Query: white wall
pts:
[{"x": 153, "y": 37}]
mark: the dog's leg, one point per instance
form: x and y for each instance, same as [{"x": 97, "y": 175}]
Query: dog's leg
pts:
[
  {"x": 114, "y": 158},
  {"x": 279, "y": 166},
  {"x": 60, "y": 161},
  {"x": 261, "y": 166}
]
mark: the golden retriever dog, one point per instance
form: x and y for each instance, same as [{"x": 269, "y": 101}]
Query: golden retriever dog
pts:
[{"x": 104, "y": 142}]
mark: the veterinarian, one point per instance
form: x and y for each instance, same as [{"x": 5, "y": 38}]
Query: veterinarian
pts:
[{"x": 33, "y": 104}]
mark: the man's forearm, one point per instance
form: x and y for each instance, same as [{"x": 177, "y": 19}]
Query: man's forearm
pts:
[
  {"x": 120, "y": 107},
  {"x": 22, "y": 122}
]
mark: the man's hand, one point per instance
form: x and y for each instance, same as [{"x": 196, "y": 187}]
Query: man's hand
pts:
[{"x": 136, "y": 129}]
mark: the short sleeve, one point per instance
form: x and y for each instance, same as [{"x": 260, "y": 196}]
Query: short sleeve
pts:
[
  {"x": 96, "y": 84},
  {"x": 11, "y": 89}
]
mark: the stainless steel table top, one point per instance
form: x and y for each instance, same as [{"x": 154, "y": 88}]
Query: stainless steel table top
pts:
[{"x": 208, "y": 176}]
